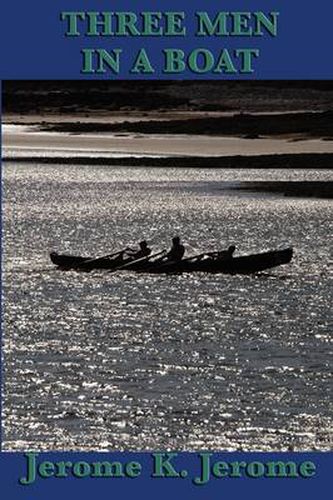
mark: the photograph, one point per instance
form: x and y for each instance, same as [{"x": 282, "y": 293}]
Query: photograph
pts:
[{"x": 167, "y": 265}]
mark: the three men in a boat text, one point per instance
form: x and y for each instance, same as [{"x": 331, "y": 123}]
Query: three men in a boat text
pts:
[
  {"x": 199, "y": 61},
  {"x": 204, "y": 467},
  {"x": 170, "y": 25}
]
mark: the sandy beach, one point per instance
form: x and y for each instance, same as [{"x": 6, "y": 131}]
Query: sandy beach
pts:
[
  {"x": 31, "y": 138},
  {"x": 171, "y": 123}
]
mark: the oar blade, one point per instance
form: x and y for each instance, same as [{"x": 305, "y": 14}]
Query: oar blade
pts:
[{"x": 133, "y": 263}]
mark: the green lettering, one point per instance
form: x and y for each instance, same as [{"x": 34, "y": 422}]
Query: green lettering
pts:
[
  {"x": 127, "y": 24},
  {"x": 307, "y": 469},
  {"x": 236, "y": 469},
  {"x": 151, "y": 23},
  {"x": 31, "y": 470},
  {"x": 246, "y": 56},
  {"x": 87, "y": 66},
  {"x": 174, "y": 24},
  {"x": 207, "y": 58},
  {"x": 101, "y": 469},
  {"x": 205, "y": 470},
  {"x": 281, "y": 469},
  {"x": 255, "y": 469},
  {"x": 142, "y": 63},
  {"x": 109, "y": 59},
  {"x": 271, "y": 25},
  {"x": 62, "y": 469},
  {"x": 208, "y": 27},
  {"x": 224, "y": 63},
  {"x": 174, "y": 61},
  {"x": 102, "y": 59},
  {"x": 72, "y": 18},
  {"x": 102, "y": 19},
  {"x": 163, "y": 466},
  {"x": 133, "y": 469},
  {"x": 46, "y": 469},
  {"x": 241, "y": 24},
  {"x": 81, "y": 469},
  {"x": 220, "y": 469},
  {"x": 106, "y": 469}
]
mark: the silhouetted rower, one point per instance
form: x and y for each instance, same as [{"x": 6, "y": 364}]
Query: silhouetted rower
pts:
[
  {"x": 177, "y": 250},
  {"x": 144, "y": 251},
  {"x": 223, "y": 254}
]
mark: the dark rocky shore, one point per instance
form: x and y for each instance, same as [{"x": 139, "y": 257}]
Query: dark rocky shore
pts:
[
  {"x": 314, "y": 161},
  {"x": 305, "y": 125},
  {"x": 95, "y": 97},
  {"x": 298, "y": 109}
]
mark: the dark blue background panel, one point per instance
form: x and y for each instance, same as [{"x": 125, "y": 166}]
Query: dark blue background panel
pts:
[
  {"x": 14, "y": 466},
  {"x": 34, "y": 46}
]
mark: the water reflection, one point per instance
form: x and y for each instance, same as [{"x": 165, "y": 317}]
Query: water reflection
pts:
[{"x": 123, "y": 361}]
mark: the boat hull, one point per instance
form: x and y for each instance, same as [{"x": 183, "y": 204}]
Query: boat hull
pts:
[{"x": 247, "y": 264}]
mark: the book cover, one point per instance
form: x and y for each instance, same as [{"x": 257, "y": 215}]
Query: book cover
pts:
[{"x": 166, "y": 249}]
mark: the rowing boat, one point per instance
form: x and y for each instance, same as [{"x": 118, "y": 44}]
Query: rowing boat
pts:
[{"x": 247, "y": 264}]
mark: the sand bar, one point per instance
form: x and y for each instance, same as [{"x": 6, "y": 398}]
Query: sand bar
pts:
[{"x": 30, "y": 138}]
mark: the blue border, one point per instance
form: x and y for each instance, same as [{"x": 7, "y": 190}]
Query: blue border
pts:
[
  {"x": 32, "y": 46},
  {"x": 1, "y": 275}
]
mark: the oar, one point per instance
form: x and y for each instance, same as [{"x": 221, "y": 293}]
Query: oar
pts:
[
  {"x": 194, "y": 257},
  {"x": 96, "y": 259},
  {"x": 133, "y": 262},
  {"x": 175, "y": 262}
]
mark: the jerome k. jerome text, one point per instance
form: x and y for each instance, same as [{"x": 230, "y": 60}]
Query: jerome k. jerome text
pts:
[{"x": 166, "y": 465}]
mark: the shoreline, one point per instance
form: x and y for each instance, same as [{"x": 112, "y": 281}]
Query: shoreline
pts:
[
  {"x": 301, "y": 161},
  {"x": 299, "y": 126},
  {"x": 294, "y": 126},
  {"x": 93, "y": 139}
]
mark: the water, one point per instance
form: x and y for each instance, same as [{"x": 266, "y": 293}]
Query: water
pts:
[{"x": 122, "y": 361}]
